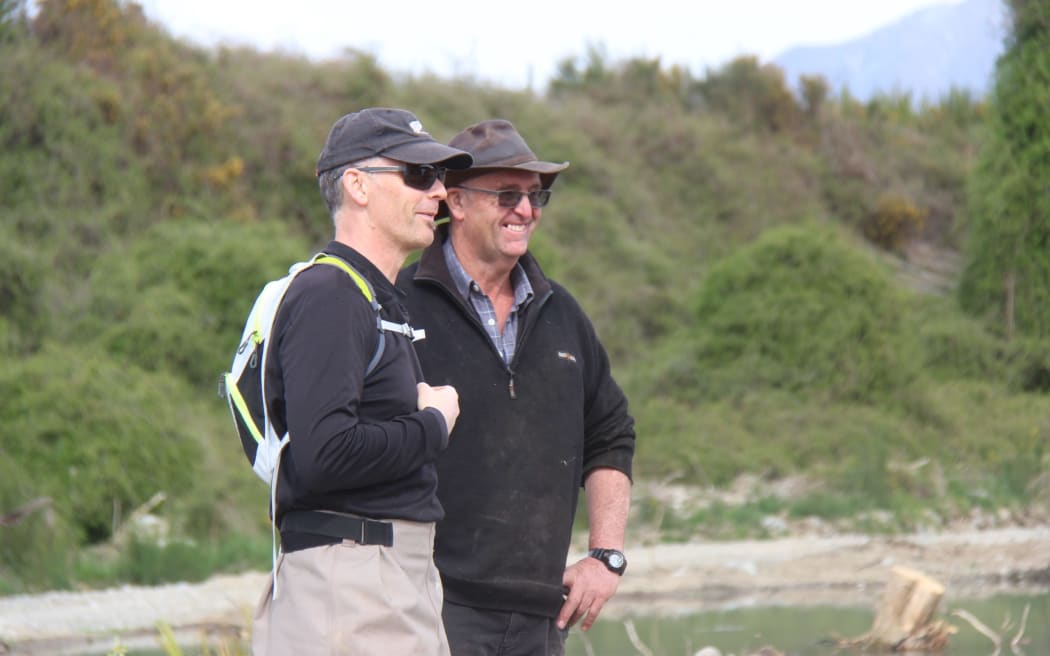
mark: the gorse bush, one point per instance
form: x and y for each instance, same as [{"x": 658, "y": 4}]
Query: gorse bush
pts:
[
  {"x": 35, "y": 552},
  {"x": 801, "y": 309},
  {"x": 23, "y": 320},
  {"x": 753, "y": 92},
  {"x": 100, "y": 438},
  {"x": 955, "y": 347},
  {"x": 176, "y": 300},
  {"x": 64, "y": 161},
  {"x": 894, "y": 222},
  {"x": 148, "y": 189},
  {"x": 96, "y": 436}
]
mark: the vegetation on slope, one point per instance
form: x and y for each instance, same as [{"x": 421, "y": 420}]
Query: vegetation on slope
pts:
[{"x": 734, "y": 239}]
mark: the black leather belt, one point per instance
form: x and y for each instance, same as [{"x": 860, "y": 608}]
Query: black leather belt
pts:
[{"x": 338, "y": 525}]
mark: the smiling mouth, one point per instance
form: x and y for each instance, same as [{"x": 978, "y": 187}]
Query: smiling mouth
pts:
[{"x": 516, "y": 227}]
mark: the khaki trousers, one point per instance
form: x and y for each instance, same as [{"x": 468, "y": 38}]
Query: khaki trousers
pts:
[{"x": 349, "y": 599}]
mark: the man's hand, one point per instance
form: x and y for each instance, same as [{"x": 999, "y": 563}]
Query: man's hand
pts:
[
  {"x": 443, "y": 397},
  {"x": 590, "y": 585}
]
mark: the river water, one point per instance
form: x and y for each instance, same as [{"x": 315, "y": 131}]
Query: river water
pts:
[
  {"x": 792, "y": 630},
  {"x": 798, "y": 631}
]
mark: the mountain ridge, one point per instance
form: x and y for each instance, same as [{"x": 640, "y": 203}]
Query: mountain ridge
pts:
[{"x": 925, "y": 54}]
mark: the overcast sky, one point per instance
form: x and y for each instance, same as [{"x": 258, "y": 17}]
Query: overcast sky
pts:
[{"x": 515, "y": 45}]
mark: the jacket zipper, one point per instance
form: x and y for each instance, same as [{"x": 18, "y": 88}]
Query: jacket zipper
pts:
[
  {"x": 465, "y": 308},
  {"x": 537, "y": 306}
]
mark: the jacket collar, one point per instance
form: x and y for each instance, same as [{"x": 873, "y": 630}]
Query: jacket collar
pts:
[{"x": 384, "y": 289}]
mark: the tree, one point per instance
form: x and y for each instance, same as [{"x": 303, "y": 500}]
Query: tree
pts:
[
  {"x": 814, "y": 93},
  {"x": 754, "y": 93},
  {"x": 1007, "y": 271},
  {"x": 12, "y": 18}
]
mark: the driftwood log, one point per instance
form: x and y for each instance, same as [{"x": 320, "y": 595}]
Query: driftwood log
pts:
[{"x": 904, "y": 619}]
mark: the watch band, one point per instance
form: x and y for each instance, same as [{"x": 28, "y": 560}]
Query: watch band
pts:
[{"x": 613, "y": 559}]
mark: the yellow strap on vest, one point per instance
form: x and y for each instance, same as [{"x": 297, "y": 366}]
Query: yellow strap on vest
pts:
[
  {"x": 335, "y": 261},
  {"x": 242, "y": 408}
]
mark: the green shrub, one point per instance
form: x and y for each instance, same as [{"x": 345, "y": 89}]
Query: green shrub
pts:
[
  {"x": 801, "y": 309},
  {"x": 166, "y": 330},
  {"x": 98, "y": 437},
  {"x": 178, "y": 298},
  {"x": 23, "y": 320},
  {"x": 955, "y": 346},
  {"x": 1030, "y": 365},
  {"x": 67, "y": 174},
  {"x": 142, "y": 561},
  {"x": 134, "y": 171},
  {"x": 35, "y": 552}
]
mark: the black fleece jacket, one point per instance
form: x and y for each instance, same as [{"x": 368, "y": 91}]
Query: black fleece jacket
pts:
[
  {"x": 526, "y": 437},
  {"x": 358, "y": 443}
]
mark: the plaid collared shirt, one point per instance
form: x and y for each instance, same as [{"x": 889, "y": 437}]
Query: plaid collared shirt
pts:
[{"x": 507, "y": 341}]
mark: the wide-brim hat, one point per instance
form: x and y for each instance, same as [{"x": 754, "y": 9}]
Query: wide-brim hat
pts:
[
  {"x": 386, "y": 132},
  {"x": 496, "y": 145}
]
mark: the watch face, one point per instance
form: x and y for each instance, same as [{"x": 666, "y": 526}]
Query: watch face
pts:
[{"x": 615, "y": 560}]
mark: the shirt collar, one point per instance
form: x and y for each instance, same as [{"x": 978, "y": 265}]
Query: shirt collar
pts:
[{"x": 463, "y": 282}]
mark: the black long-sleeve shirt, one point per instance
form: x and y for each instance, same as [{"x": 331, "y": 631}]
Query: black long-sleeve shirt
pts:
[
  {"x": 528, "y": 434},
  {"x": 358, "y": 443}
]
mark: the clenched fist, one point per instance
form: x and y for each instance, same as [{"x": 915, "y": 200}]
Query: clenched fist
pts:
[{"x": 443, "y": 397}]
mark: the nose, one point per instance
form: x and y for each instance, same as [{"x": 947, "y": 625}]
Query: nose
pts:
[
  {"x": 527, "y": 209},
  {"x": 438, "y": 190}
]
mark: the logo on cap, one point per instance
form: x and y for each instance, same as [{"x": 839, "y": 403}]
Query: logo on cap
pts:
[{"x": 417, "y": 127}]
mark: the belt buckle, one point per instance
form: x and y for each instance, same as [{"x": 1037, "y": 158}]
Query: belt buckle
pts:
[{"x": 361, "y": 537}]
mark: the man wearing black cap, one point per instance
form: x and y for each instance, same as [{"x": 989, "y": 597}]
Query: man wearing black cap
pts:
[
  {"x": 541, "y": 414},
  {"x": 355, "y": 491}
]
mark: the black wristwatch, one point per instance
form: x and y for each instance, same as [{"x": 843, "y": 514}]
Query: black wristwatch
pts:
[{"x": 614, "y": 560}]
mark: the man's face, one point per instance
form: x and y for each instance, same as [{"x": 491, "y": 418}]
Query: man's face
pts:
[
  {"x": 404, "y": 214},
  {"x": 490, "y": 232}
]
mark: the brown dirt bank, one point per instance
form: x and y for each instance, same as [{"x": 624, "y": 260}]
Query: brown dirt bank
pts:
[{"x": 679, "y": 578}]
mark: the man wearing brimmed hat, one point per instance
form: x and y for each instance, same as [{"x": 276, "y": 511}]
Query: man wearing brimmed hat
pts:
[
  {"x": 355, "y": 491},
  {"x": 541, "y": 414}
]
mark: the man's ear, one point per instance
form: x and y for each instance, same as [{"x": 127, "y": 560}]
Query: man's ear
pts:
[
  {"x": 455, "y": 201},
  {"x": 355, "y": 185}
]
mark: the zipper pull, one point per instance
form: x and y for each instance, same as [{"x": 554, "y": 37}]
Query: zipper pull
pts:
[
  {"x": 510, "y": 388},
  {"x": 244, "y": 344}
]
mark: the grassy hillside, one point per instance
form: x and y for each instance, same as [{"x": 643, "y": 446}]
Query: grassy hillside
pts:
[{"x": 736, "y": 239}]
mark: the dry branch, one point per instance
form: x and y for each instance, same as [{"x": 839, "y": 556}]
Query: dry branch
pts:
[
  {"x": 982, "y": 628},
  {"x": 1016, "y": 642},
  {"x": 632, "y": 635},
  {"x": 18, "y": 514}
]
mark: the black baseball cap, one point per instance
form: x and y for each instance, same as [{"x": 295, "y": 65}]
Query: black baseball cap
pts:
[{"x": 386, "y": 132}]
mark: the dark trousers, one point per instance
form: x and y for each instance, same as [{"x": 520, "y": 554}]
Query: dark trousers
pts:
[{"x": 483, "y": 632}]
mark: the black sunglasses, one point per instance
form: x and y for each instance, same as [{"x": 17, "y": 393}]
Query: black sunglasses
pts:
[
  {"x": 511, "y": 197},
  {"x": 417, "y": 176}
]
